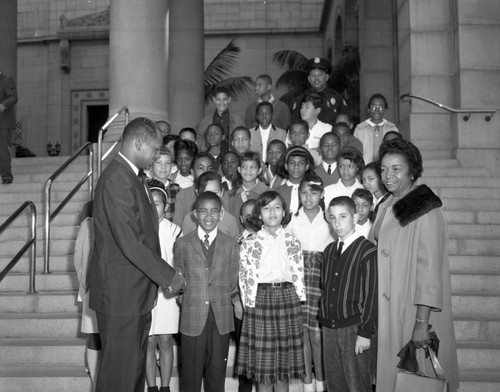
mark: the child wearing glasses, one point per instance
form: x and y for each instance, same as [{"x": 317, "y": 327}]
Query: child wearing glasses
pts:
[{"x": 372, "y": 131}]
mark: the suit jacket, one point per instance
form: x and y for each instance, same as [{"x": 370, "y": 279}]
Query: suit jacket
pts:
[
  {"x": 256, "y": 138},
  {"x": 126, "y": 267},
  {"x": 215, "y": 284},
  {"x": 8, "y": 97}
]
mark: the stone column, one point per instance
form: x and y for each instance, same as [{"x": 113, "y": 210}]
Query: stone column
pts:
[
  {"x": 376, "y": 49},
  {"x": 138, "y": 61},
  {"x": 8, "y": 38},
  {"x": 426, "y": 55},
  {"x": 186, "y": 64}
]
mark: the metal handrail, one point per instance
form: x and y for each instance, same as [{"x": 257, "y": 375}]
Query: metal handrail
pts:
[
  {"x": 31, "y": 242},
  {"x": 48, "y": 185},
  {"x": 102, "y": 131},
  {"x": 467, "y": 112}
]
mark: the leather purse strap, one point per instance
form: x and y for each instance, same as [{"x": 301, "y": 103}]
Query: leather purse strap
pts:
[{"x": 438, "y": 370}]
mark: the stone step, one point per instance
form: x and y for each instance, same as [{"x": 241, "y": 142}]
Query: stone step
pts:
[
  {"x": 57, "y": 247},
  {"x": 477, "y": 193},
  {"x": 59, "y": 281},
  {"x": 475, "y": 304},
  {"x": 470, "y": 183},
  {"x": 479, "y": 380},
  {"x": 443, "y": 172},
  {"x": 75, "y": 379},
  {"x": 73, "y": 208},
  {"x": 484, "y": 205},
  {"x": 470, "y": 281},
  {"x": 468, "y": 328},
  {"x": 58, "y": 352},
  {"x": 44, "y": 301},
  {"x": 58, "y": 161},
  {"x": 24, "y": 233},
  {"x": 474, "y": 355},
  {"x": 62, "y": 263},
  {"x": 57, "y": 195},
  {"x": 40, "y": 325},
  {"x": 478, "y": 264},
  {"x": 472, "y": 217},
  {"x": 471, "y": 231},
  {"x": 64, "y": 218},
  {"x": 478, "y": 247}
]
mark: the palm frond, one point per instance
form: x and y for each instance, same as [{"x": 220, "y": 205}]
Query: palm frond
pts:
[
  {"x": 220, "y": 67},
  {"x": 290, "y": 59},
  {"x": 294, "y": 78},
  {"x": 237, "y": 86}
]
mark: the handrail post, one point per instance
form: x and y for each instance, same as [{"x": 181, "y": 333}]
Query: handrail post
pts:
[
  {"x": 47, "y": 227},
  {"x": 91, "y": 171},
  {"x": 33, "y": 250}
]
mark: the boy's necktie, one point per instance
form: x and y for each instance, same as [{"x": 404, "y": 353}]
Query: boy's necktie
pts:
[
  {"x": 339, "y": 249},
  {"x": 329, "y": 171},
  {"x": 206, "y": 242}
]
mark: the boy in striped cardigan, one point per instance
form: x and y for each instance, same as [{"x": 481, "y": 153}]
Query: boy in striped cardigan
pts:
[{"x": 348, "y": 307}]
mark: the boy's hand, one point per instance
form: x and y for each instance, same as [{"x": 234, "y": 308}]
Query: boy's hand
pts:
[
  {"x": 362, "y": 344},
  {"x": 238, "y": 310}
]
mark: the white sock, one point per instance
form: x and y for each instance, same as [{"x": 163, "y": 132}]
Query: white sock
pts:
[
  {"x": 309, "y": 387},
  {"x": 320, "y": 386}
]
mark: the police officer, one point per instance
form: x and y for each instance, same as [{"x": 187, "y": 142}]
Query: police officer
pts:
[{"x": 319, "y": 70}]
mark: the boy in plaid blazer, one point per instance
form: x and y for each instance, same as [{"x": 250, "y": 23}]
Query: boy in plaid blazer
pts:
[{"x": 209, "y": 259}]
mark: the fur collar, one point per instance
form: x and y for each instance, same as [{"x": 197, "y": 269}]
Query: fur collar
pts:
[{"x": 415, "y": 204}]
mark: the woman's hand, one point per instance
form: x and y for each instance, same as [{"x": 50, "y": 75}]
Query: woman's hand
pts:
[{"x": 420, "y": 334}]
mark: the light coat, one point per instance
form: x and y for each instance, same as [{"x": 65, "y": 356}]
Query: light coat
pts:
[{"x": 413, "y": 269}]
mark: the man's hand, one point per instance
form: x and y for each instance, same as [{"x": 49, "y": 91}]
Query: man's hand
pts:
[
  {"x": 362, "y": 344},
  {"x": 176, "y": 284},
  {"x": 238, "y": 310},
  {"x": 2, "y": 107}
]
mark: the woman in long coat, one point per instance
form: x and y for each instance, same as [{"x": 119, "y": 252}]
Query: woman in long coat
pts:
[{"x": 413, "y": 268}]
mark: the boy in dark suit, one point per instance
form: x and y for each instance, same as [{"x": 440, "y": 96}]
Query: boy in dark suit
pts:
[{"x": 209, "y": 259}]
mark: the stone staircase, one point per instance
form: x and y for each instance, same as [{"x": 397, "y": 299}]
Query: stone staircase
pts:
[{"x": 41, "y": 348}]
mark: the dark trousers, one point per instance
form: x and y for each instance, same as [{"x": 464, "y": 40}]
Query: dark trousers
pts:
[
  {"x": 124, "y": 342},
  {"x": 205, "y": 353},
  {"x": 345, "y": 371},
  {"x": 5, "y": 142},
  {"x": 244, "y": 384}
]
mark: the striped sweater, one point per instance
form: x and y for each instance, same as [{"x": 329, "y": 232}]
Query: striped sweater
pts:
[{"x": 349, "y": 287}]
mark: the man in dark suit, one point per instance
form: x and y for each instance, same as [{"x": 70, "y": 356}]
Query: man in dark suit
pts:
[
  {"x": 126, "y": 267},
  {"x": 8, "y": 99}
]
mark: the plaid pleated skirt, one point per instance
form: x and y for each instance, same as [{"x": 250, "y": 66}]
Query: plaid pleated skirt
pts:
[
  {"x": 312, "y": 274},
  {"x": 271, "y": 343}
]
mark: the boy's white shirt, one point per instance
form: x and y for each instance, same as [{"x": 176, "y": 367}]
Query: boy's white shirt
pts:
[
  {"x": 364, "y": 229},
  {"x": 349, "y": 240},
  {"x": 315, "y": 133}
]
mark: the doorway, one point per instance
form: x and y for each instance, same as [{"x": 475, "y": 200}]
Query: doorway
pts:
[{"x": 97, "y": 115}]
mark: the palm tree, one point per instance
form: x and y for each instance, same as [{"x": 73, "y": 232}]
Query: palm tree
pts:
[
  {"x": 218, "y": 74},
  {"x": 344, "y": 78}
]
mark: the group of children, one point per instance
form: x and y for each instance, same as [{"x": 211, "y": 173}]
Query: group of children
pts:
[
  {"x": 268, "y": 227},
  {"x": 273, "y": 245}
]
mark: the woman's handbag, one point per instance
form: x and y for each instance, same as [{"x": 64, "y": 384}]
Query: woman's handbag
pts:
[{"x": 415, "y": 381}]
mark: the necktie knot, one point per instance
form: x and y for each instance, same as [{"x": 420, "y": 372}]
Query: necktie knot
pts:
[{"x": 339, "y": 249}]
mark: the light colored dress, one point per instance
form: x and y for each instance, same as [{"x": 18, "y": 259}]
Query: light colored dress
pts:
[{"x": 165, "y": 314}]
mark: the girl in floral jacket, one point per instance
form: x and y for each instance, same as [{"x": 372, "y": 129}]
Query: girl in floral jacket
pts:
[{"x": 272, "y": 287}]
